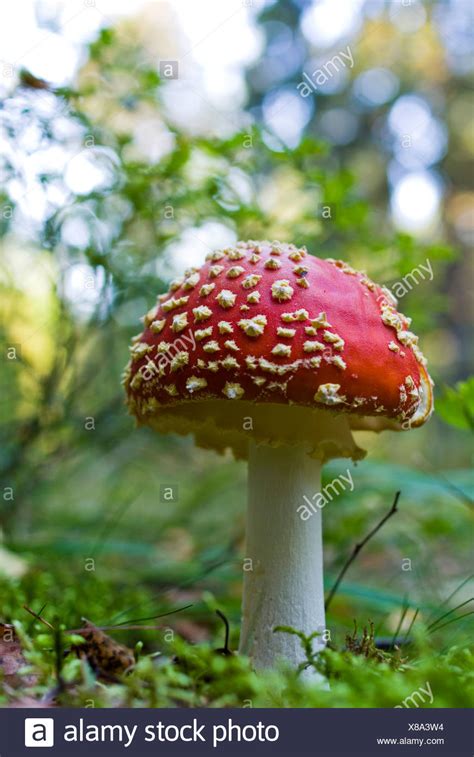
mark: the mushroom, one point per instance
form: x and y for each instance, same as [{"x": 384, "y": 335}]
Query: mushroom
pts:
[{"x": 278, "y": 355}]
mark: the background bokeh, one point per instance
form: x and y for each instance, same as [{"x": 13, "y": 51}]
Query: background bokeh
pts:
[{"x": 116, "y": 177}]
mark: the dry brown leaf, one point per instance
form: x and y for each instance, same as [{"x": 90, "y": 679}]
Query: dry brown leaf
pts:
[{"x": 106, "y": 656}]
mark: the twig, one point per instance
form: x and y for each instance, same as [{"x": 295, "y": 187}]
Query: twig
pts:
[
  {"x": 38, "y": 617},
  {"x": 152, "y": 617},
  {"x": 227, "y": 631},
  {"x": 116, "y": 628},
  {"x": 358, "y": 547}
]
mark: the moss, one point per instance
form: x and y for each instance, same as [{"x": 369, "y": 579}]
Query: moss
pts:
[{"x": 171, "y": 672}]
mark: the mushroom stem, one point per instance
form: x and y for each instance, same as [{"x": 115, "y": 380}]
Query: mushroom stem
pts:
[{"x": 283, "y": 569}]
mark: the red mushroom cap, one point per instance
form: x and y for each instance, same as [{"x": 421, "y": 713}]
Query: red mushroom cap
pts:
[{"x": 269, "y": 325}]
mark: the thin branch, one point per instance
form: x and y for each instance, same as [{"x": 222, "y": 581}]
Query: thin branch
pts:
[
  {"x": 152, "y": 617},
  {"x": 38, "y": 617},
  {"x": 358, "y": 548},
  {"x": 115, "y": 628},
  {"x": 227, "y": 630}
]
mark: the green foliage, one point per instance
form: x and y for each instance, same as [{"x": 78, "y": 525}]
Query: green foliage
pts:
[
  {"x": 198, "y": 675},
  {"x": 306, "y": 645},
  {"x": 456, "y": 405}
]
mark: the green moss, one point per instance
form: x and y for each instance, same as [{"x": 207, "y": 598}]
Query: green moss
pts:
[{"x": 171, "y": 672}]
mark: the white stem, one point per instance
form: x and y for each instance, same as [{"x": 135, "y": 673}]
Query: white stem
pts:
[{"x": 283, "y": 569}]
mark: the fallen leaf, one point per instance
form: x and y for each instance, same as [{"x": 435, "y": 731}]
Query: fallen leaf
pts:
[{"x": 106, "y": 656}]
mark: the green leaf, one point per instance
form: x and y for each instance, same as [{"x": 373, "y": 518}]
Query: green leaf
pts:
[{"x": 456, "y": 405}]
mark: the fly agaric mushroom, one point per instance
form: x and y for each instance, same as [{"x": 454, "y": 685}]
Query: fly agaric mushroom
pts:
[{"x": 278, "y": 355}]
